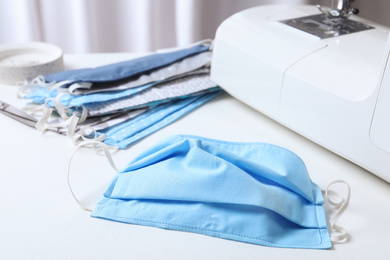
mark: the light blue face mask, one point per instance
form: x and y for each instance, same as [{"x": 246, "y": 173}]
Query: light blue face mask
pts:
[
  {"x": 126, "y": 133},
  {"x": 250, "y": 192}
]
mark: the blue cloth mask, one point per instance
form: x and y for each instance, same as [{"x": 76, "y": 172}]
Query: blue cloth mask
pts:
[
  {"x": 126, "y": 133},
  {"x": 124, "y": 70},
  {"x": 250, "y": 192}
]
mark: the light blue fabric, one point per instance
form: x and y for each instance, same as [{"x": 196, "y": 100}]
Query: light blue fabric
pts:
[
  {"x": 125, "y": 134},
  {"x": 250, "y": 192},
  {"x": 41, "y": 95},
  {"x": 75, "y": 101}
]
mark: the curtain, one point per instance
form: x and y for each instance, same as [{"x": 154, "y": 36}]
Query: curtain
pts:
[{"x": 83, "y": 26}]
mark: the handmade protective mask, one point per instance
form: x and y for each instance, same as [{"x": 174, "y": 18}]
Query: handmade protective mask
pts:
[
  {"x": 182, "y": 67},
  {"x": 125, "y": 134},
  {"x": 42, "y": 94},
  {"x": 123, "y": 70},
  {"x": 179, "y": 88},
  {"x": 250, "y": 192},
  {"x": 172, "y": 94}
]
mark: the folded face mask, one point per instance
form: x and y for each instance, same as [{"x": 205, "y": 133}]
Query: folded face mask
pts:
[
  {"x": 123, "y": 70},
  {"x": 126, "y": 133},
  {"x": 182, "y": 67},
  {"x": 179, "y": 88},
  {"x": 249, "y": 192},
  {"x": 179, "y": 71},
  {"x": 179, "y": 82}
]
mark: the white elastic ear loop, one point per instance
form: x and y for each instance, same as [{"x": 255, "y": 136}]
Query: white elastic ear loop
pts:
[
  {"x": 84, "y": 136},
  {"x": 25, "y": 88},
  {"x": 74, "y": 120},
  {"x": 106, "y": 151},
  {"x": 95, "y": 136},
  {"x": 40, "y": 81},
  {"x": 81, "y": 85},
  {"x": 61, "y": 109},
  {"x": 84, "y": 114},
  {"x": 46, "y": 113},
  {"x": 42, "y": 123},
  {"x": 34, "y": 109},
  {"x": 341, "y": 204}
]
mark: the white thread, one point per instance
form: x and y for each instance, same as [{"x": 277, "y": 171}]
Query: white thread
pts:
[
  {"x": 339, "y": 234},
  {"x": 94, "y": 144}
]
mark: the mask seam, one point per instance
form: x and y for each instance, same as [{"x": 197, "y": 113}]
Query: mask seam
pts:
[
  {"x": 318, "y": 229},
  {"x": 317, "y": 217},
  {"x": 213, "y": 231},
  {"x": 108, "y": 197},
  {"x": 318, "y": 224}
]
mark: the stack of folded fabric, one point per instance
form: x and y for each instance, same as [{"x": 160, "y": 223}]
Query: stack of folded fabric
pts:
[{"x": 123, "y": 102}]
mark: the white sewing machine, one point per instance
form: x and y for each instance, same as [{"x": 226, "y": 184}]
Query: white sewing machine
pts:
[{"x": 319, "y": 72}]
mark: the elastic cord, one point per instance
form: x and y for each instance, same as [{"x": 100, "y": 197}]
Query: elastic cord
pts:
[
  {"x": 34, "y": 109},
  {"x": 84, "y": 136},
  {"x": 339, "y": 234},
  {"x": 40, "y": 81},
  {"x": 26, "y": 87},
  {"x": 80, "y": 85},
  {"x": 94, "y": 144},
  {"x": 44, "y": 124},
  {"x": 74, "y": 120},
  {"x": 41, "y": 125},
  {"x": 61, "y": 109}
]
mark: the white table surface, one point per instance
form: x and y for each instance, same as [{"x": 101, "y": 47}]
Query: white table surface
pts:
[{"x": 39, "y": 219}]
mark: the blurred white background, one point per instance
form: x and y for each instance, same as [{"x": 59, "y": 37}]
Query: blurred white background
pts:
[{"x": 83, "y": 26}]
